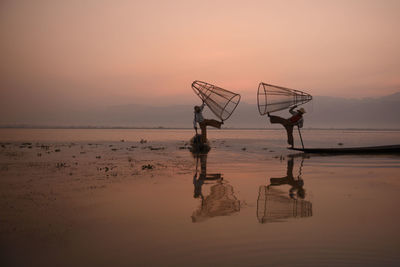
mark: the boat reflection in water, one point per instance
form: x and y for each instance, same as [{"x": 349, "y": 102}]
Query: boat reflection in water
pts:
[
  {"x": 220, "y": 201},
  {"x": 275, "y": 205}
]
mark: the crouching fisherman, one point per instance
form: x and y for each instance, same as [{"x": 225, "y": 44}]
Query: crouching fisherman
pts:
[
  {"x": 203, "y": 123},
  {"x": 295, "y": 120}
]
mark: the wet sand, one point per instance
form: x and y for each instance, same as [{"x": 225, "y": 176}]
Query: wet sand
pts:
[{"x": 127, "y": 203}]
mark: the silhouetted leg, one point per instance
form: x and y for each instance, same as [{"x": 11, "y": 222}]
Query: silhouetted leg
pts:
[
  {"x": 289, "y": 130},
  {"x": 289, "y": 171},
  {"x": 203, "y": 164},
  {"x": 277, "y": 119},
  {"x": 287, "y": 124},
  {"x": 203, "y": 127},
  {"x": 213, "y": 123},
  {"x": 278, "y": 181}
]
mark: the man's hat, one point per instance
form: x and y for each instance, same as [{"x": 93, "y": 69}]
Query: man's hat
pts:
[{"x": 302, "y": 110}]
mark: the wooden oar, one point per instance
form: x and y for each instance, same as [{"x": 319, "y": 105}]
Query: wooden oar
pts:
[{"x": 301, "y": 138}]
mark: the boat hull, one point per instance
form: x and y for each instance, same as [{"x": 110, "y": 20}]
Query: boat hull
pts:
[{"x": 392, "y": 149}]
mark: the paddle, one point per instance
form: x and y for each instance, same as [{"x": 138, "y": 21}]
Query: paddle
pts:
[{"x": 301, "y": 138}]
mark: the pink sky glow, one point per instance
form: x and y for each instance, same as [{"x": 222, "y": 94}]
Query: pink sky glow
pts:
[{"x": 119, "y": 52}]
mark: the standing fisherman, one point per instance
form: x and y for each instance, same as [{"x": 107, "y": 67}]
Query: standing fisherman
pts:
[
  {"x": 198, "y": 118},
  {"x": 295, "y": 120}
]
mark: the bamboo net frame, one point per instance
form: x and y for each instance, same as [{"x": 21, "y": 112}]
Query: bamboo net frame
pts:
[
  {"x": 220, "y": 101},
  {"x": 271, "y": 98}
]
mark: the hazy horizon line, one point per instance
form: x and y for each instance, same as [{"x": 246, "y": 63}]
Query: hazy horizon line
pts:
[
  {"x": 182, "y": 128},
  {"x": 254, "y": 101}
]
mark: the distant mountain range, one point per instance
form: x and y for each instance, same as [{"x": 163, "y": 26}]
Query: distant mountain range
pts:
[{"x": 322, "y": 112}]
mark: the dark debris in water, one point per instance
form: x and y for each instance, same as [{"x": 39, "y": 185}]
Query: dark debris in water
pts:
[
  {"x": 153, "y": 148},
  {"x": 147, "y": 167},
  {"x": 61, "y": 165},
  {"x": 156, "y": 148}
]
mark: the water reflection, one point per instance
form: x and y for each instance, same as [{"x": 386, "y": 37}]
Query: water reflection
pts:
[
  {"x": 275, "y": 205},
  {"x": 220, "y": 201}
]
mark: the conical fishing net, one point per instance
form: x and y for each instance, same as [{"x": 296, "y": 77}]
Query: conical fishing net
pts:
[
  {"x": 275, "y": 206},
  {"x": 272, "y": 98},
  {"x": 221, "y": 102}
]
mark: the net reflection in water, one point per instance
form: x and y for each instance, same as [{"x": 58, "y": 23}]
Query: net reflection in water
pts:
[
  {"x": 220, "y": 202},
  {"x": 275, "y": 206}
]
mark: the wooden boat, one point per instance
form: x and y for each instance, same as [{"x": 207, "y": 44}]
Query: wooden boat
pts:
[
  {"x": 392, "y": 149},
  {"x": 196, "y": 146}
]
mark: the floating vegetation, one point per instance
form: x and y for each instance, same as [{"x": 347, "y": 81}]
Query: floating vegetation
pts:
[
  {"x": 148, "y": 167},
  {"x": 106, "y": 168},
  {"x": 156, "y": 148},
  {"x": 61, "y": 165}
]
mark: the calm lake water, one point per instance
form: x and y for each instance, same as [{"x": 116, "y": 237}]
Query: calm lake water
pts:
[
  {"x": 248, "y": 202},
  {"x": 321, "y": 138}
]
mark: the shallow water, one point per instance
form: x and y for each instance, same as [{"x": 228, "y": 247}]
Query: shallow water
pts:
[{"x": 243, "y": 207}]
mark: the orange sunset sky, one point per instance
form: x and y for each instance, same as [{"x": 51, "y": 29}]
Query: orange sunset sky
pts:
[{"x": 88, "y": 53}]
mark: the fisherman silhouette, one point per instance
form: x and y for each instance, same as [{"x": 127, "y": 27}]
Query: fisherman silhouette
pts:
[
  {"x": 203, "y": 123},
  {"x": 295, "y": 120}
]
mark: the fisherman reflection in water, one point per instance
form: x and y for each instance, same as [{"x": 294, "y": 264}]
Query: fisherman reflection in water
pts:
[
  {"x": 203, "y": 123},
  {"x": 200, "y": 178},
  {"x": 220, "y": 201},
  {"x": 273, "y": 204},
  {"x": 295, "y": 120},
  {"x": 296, "y": 190}
]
